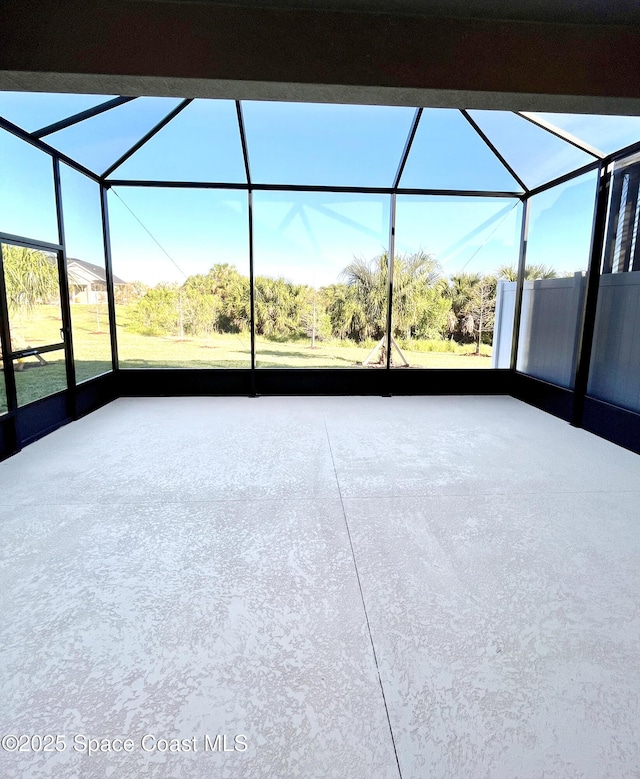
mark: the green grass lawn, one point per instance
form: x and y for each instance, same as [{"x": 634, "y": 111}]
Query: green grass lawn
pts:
[
  {"x": 36, "y": 381},
  {"x": 92, "y": 352},
  {"x": 233, "y": 351}
]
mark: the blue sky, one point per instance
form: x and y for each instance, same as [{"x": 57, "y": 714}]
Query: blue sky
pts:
[{"x": 304, "y": 237}]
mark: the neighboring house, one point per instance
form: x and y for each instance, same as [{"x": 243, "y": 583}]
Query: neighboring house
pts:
[{"x": 87, "y": 282}]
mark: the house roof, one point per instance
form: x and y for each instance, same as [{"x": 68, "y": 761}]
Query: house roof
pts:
[{"x": 82, "y": 272}]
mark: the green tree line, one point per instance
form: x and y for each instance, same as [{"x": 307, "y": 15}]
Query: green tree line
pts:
[{"x": 426, "y": 304}]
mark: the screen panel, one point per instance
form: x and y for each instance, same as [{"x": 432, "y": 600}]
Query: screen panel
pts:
[
  {"x": 558, "y": 251},
  {"x": 36, "y": 110},
  {"x": 606, "y": 133},
  {"x": 101, "y": 140},
  {"x": 321, "y": 278},
  {"x": 32, "y": 286},
  {"x": 86, "y": 274},
  {"x": 323, "y": 144},
  {"x": 536, "y": 155},
  {"x": 448, "y": 153},
  {"x": 447, "y": 299},
  {"x": 201, "y": 143},
  {"x": 27, "y": 195},
  {"x": 614, "y": 374},
  {"x": 181, "y": 257}
]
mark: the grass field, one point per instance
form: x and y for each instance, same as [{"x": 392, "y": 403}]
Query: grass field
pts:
[
  {"x": 92, "y": 352},
  {"x": 234, "y": 351}
]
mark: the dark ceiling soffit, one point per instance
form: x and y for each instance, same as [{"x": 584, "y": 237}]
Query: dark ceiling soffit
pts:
[
  {"x": 407, "y": 147},
  {"x": 495, "y": 151},
  {"x": 81, "y": 116},
  {"x": 559, "y": 133},
  {"x": 133, "y": 38},
  {"x": 243, "y": 141},
  {"x": 547, "y": 11},
  {"x": 25, "y": 136},
  {"x": 139, "y": 144}
]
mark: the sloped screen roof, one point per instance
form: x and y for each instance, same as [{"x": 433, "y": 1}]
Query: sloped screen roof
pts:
[{"x": 154, "y": 139}]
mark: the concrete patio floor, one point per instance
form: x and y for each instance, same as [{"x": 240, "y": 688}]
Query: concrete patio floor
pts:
[{"x": 358, "y": 588}]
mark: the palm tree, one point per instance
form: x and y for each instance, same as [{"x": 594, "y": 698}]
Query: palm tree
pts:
[
  {"x": 460, "y": 291},
  {"x": 347, "y": 317},
  {"x": 369, "y": 281},
  {"x": 31, "y": 278},
  {"x": 414, "y": 276},
  {"x": 531, "y": 272},
  {"x": 278, "y": 306}
]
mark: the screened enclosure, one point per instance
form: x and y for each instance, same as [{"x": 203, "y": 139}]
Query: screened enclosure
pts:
[{"x": 155, "y": 245}]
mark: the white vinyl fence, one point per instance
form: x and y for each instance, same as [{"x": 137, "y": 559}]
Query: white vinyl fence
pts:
[
  {"x": 615, "y": 359},
  {"x": 551, "y": 317},
  {"x": 549, "y": 326}
]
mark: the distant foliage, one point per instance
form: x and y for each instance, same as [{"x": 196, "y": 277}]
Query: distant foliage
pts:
[
  {"x": 216, "y": 302},
  {"x": 428, "y": 309},
  {"x": 279, "y": 306},
  {"x": 124, "y": 294},
  {"x": 531, "y": 272},
  {"x": 473, "y": 304},
  {"x": 157, "y": 311}
]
